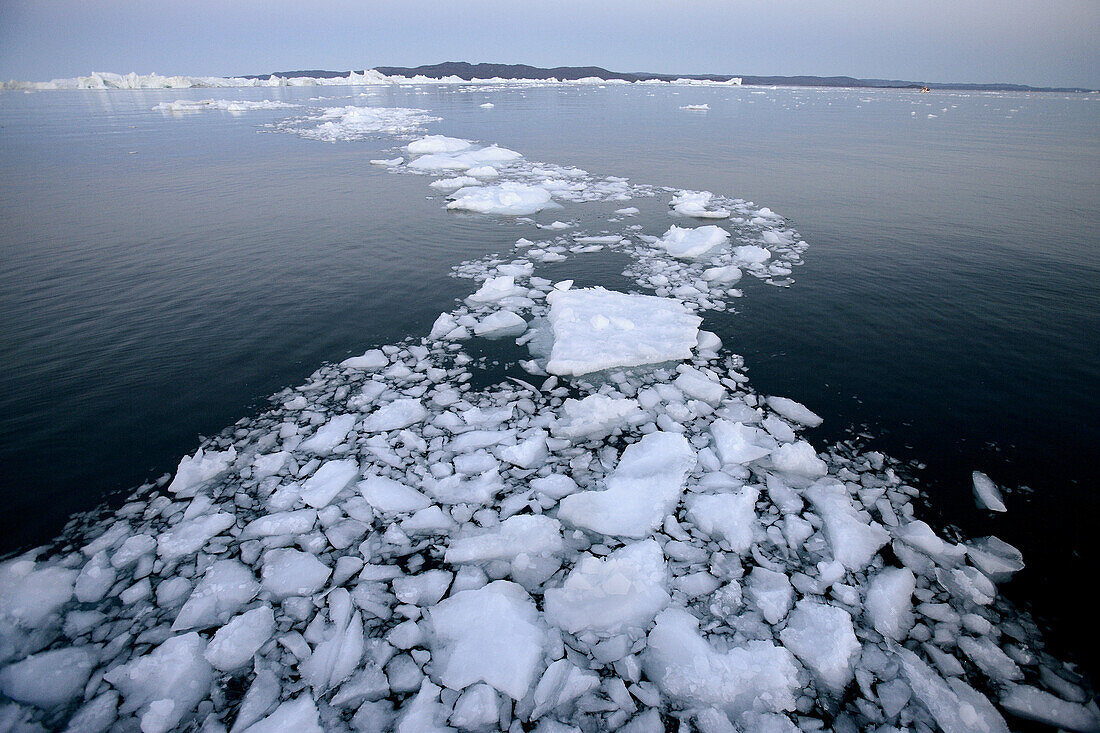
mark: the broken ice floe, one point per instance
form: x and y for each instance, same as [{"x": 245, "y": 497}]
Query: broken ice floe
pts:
[{"x": 637, "y": 538}]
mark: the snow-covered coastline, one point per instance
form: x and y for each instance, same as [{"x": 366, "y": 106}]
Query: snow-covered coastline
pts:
[{"x": 631, "y": 533}]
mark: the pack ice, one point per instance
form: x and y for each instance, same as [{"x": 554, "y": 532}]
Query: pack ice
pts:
[{"x": 620, "y": 534}]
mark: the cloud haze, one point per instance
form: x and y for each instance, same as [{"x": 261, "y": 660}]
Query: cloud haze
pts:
[{"x": 1051, "y": 42}]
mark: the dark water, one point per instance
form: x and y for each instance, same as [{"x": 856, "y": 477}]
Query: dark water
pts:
[{"x": 160, "y": 276}]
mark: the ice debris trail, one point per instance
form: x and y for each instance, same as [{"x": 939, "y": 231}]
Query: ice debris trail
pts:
[{"x": 628, "y": 538}]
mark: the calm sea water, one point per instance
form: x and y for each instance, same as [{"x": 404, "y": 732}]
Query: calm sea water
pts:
[{"x": 160, "y": 276}]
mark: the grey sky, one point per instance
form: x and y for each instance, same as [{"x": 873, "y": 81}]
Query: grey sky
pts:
[{"x": 1038, "y": 42}]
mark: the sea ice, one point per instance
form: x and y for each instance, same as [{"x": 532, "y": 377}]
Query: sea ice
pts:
[
  {"x": 328, "y": 481},
  {"x": 696, "y": 204},
  {"x": 288, "y": 572},
  {"x": 645, "y": 486},
  {"x": 995, "y": 557},
  {"x": 49, "y": 679},
  {"x": 392, "y": 497},
  {"x": 794, "y": 411},
  {"x": 823, "y": 638},
  {"x": 508, "y": 198},
  {"x": 437, "y": 144},
  {"x": 728, "y": 516},
  {"x": 401, "y": 413},
  {"x": 530, "y": 534},
  {"x": 234, "y": 644},
  {"x": 754, "y": 677},
  {"x": 889, "y": 603},
  {"x": 611, "y": 595},
  {"x": 596, "y": 329},
  {"x": 690, "y": 243},
  {"x": 166, "y": 684},
  {"x": 986, "y": 493},
  {"x": 225, "y": 587},
  {"x": 853, "y": 539},
  {"x": 493, "y": 634},
  {"x": 594, "y": 417}
]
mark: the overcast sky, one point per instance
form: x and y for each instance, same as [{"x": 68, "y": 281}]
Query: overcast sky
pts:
[{"x": 1037, "y": 42}]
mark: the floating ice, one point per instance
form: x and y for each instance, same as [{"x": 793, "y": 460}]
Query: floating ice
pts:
[
  {"x": 289, "y": 572},
  {"x": 596, "y": 416},
  {"x": 329, "y": 480},
  {"x": 994, "y": 557},
  {"x": 492, "y": 635},
  {"x": 354, "y": 123},
  {"x": 794, "y": 411},
  {"x": 49, "y": 679},
  {"x": 597, "y": 329},
  {"x": 531, "y": 535},
  {"x": 164, "y": 686},
  {"x": 392, "y": 497},
  {"x": 889, "y": 602},
  {"x": 696, "y": 204},
  {"x": 1033, "y": 704},
  {"x": 689, "y": 244},
  {"x": 437, "y": 144},
  {"x": 986, "y": 493},
  {"x": 608, "y": 596},
  {"x": 400, "y": 413},
  {"x": 194, "y": 471},
  {"x": 226, "y": 586},
  {"x": 728, "y": 516},
  {"x": 823, "y": 638},
  {"x": 853, "y": 539},
  {"x": 696, "y": 107},
  {"x": 643, "y": 489},
  {"x": 755, "y": 677},
  {"x": 511, "y": 199},
  {"x": 234, "y": 644},
  {"x": 188, "y": 105}
]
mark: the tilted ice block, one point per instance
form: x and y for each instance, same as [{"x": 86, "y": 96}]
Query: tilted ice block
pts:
[
  {"x": 794, "y": 411},
  {"x": 986, "y": 493},
  {"x": 823, "y": 638},
  {"x": 596, "y": 329},
  {"x": 328, "y": 481}
]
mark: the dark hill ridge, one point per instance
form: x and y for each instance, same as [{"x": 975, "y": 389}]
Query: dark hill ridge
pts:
[{"x": 467, "y": 71}]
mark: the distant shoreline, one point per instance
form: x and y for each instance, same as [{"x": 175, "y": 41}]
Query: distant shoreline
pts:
[{"x": 469, "y": 72}]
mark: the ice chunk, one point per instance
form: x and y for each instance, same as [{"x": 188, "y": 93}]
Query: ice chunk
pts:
[
  {"x": 437, "y": 144},
  {"x": 986, "y": 493},
  {"x": 996, "y": 665},
  {"x": 823, "y": 638},
  {"x": 329, "y": 435},
  {"x": 798, "y": 460},
  {"x": 456, "y": 489},
  {"x": 400, "y": 413},
  {"x": 328, "y": 481},
  {"x": 738, "y": 443},
  {"x": 498, "y": 288},
  {"x": 698, "y": 385},
  {"x": 645, "y": 486},
  {"x": 996, "y": 558},
  {"x": 188, "y": 536},
  {"x": 952, "y": 712},
  {"x": 750, "y": 254},
  {"x": 371, "y": 360},
  {"x": 696, "y": 204},
  {"x": 531, "y": 534},
  {"x": 1031, "y": 703},
  {"x": 608, "y": 596},
  {"x": 561, "y": 684},
  {"x": 690, "y": 243},
  {"x": 722, "y": 275},
  {"x": 50, "y": 679},
  {"x": 554, "y": 486},
  {"x": 755, "y": 677},
  {"x": 424, "y": 589},
  {"x": 234, "y": 644},
  {"x": 730, "y": 517},
  {"x": 889, "y": 604},
  {"x": 166, "y": 684},
  {"x": 794, "y": 411},
  {"x": 597, "y": 329},
  {"x": 492, "y": 635},
  {"x": 530, "y": 453},
  {"x": 339, "y": 653},
  {"x": 195, "y": 471},
  {"x": 392, "y": 497},
  {"x": 298, "y": 715},
  {"x": 500, "y": 325},
  {"x": 95, "y": 579},
  {"x": 594, "y": 417},
  {"x": 771, "y": 592},
  {"x": 853, "y": 540},
  {"x": 508, "y": 198},
  {"x": 289, "y": 572},
  {"x": 280, "y": 524},
  {"x": 226, "y": 586},
  {"x": 477, "y": 708}
]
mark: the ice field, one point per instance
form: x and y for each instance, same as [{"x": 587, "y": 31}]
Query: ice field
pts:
[{"x": 631, "y": 538}]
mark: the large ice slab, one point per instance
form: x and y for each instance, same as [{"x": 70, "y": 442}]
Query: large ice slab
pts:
[
  {"x": 689, "y": 243},
  {"x": 756, "y": 677},
  {"x": 644, "y": 488},
  {"x": 623, "y": 591},
  {"x": 823, "y": 638},
  {"x": 508, "y": 198},
  {"x": 596, "y": 329},
  {"x": 493, "y": 634}
]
